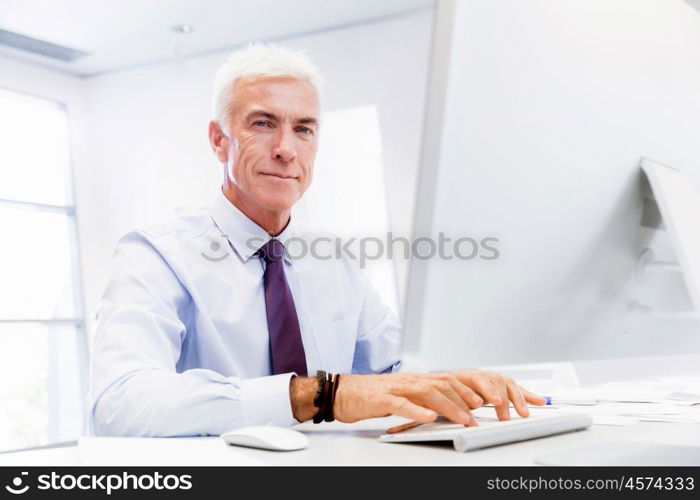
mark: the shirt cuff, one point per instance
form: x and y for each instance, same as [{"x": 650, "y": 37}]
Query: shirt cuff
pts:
[{"x": 265, "y": 401}]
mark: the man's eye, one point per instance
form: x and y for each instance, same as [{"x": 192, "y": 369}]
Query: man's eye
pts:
[
  {"x": 305, "y": 130},
  {"x": 261, "y": 123}
]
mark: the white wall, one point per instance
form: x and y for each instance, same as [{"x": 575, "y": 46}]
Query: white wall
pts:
[
  {"x": 149, "y": 125},
  {"x": 549, "y": 106}
]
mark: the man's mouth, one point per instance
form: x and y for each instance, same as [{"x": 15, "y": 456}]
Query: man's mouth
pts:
[{"x": 279, "y": 176}]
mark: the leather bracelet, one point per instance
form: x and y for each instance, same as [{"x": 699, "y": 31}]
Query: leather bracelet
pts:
[
  {"x": 330, "y": 398},
  {"x": 321, "y": 377},
  {"x": 331, "y": 406},
  {"x": 319, "y": 399},
  {"x": 325, "y": 396}
]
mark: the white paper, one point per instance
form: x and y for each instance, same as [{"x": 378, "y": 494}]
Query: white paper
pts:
[{"x": 601, "y": 419}]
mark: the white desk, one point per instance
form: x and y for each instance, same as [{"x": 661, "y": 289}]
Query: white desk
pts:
[
  {"x": 356, "y": 444},
  {"x": 339, "y": 444}
]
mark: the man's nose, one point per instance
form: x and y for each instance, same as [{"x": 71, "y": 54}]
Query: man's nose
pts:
[{"x": 284, "y": 149}]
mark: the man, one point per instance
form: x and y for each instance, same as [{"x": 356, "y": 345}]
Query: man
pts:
[{"x": 207, "y": 324}]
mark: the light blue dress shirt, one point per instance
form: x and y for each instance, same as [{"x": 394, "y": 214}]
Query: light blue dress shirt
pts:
[{"x": 181, "y": 346}]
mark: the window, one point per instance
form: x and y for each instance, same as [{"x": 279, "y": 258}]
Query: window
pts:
[{"x": 42, "y": 336}]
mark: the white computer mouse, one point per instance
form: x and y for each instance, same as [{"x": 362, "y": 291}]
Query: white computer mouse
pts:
[{"x": 267, "y": 437}]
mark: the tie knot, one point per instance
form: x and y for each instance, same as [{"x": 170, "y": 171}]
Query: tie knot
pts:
[{"x": 272, "y": 251}]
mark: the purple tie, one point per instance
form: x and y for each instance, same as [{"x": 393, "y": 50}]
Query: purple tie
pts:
[{"x": 286, "y": 347}]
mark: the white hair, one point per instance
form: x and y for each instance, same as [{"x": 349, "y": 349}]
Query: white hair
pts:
[{"x": 259, "y": 60}]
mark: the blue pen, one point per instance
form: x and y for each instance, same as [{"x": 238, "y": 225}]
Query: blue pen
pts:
[{"x": 553, "y": 400}]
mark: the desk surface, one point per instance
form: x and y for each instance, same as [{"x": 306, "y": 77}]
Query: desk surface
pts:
[{"x": 338, "y": 444}]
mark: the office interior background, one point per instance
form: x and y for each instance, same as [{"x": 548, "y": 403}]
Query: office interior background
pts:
[{"x": 522, "y": 121}]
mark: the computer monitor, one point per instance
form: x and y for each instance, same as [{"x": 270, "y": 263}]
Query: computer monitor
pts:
[
  {"x": 678, "y": 200},
  {"x": 537, "y": 117}
]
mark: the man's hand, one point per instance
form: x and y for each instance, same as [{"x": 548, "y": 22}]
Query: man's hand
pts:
[
  {"x": 500, "y": 391},
  {"x": 424, "y": 396}
]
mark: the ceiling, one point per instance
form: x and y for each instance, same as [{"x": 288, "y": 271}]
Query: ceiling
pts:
[{"x": 118, "y": 34}]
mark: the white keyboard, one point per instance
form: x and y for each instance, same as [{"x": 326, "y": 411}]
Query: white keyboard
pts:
[{"x": 491, "y": 431}]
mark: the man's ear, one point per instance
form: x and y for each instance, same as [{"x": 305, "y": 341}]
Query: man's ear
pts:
[{"x": 218, "y": 141}]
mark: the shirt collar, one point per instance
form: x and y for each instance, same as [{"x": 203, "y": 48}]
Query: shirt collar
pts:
[{"x": 245, "y": 236}]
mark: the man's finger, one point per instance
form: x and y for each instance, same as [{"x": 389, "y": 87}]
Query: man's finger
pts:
[
  {"x": 470, "y": 397},
  {"x": 533, "y": 398},
  {"x": 402, "y": 407},
  {"x": 487, "y": 389},
  {"x": 503, "y": 409},
  {"x": 452, "y": 395},
  {"x": 456, "y": 398},
  {"x": 436, "y": 400},
  {"x": 493, "y": 388},
  {"x": 518, "y": 399}
]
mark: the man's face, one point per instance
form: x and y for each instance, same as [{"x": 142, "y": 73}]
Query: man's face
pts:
[{"x": 273, "y": 130}]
